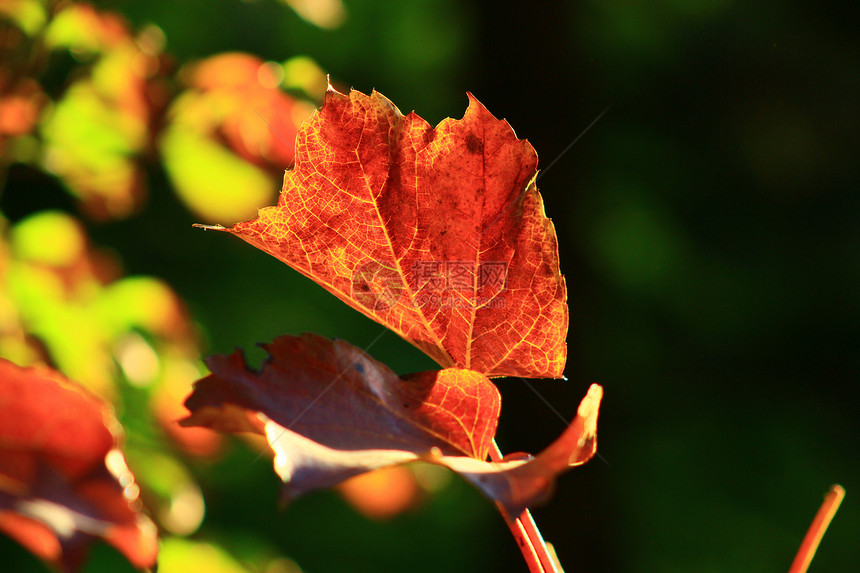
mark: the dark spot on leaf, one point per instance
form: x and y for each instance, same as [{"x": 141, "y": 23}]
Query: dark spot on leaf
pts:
[
  {"x": 473, "y": 144},
  {"x": 359, "y": 367}
]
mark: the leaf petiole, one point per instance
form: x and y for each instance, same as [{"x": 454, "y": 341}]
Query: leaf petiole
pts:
[
  {"x": 817, "y": 528},
  {"x": 537, "y": 555}
]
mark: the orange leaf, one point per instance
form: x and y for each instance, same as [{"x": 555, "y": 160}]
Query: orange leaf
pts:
[
  {"x": 331, "y": 412},
  {"x": 63, "y": 480},
  {"x": 439, "y": 234}
]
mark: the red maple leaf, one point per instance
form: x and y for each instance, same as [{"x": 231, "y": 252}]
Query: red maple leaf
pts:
[
  {"x": 63, "y": 480},
  {"x": 438, "y": 234}
]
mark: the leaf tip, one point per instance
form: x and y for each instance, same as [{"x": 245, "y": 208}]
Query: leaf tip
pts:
[
  {"x": 590, "y": 406},
  {"x": 209, "y": 227},
  {"x": 329, "y": 87},
  {"x": 587, "y": 414},
  {"x": 475, "y": 104}
]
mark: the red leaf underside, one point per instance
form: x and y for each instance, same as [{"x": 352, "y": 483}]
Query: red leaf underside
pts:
[
  {"x": 330, "y": 412},
  {"x": 333, "y": 393},
  {"x": 63, "y": 480}
]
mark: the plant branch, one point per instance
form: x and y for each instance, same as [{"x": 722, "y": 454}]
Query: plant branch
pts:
[
  {"x": 816, "y": 530},
  {"x": 538, "y": 556}
]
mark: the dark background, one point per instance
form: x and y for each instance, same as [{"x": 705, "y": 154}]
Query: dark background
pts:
[{"x": 708, "y": 227}]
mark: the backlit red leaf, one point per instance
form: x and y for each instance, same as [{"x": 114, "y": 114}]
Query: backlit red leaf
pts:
[
  {"x": 330, "y": 412},
  {"x": 63, "y": 480},
  {"x": 439, "y": 234}
]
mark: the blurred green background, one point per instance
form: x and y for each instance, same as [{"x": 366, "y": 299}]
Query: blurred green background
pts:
[{"x": 708, "y": 227}]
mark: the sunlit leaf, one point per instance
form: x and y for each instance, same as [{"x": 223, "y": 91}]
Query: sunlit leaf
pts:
[
  {"x": 63, "y": 324},
  {"x": 85, "y": 30},
  {"x": 51, "y": 238},
  {"x": 28, "y": 15},
  {"x": 67, "y": 305},
  {"x": 231, "y": 134},
  {"x": 101, "y": 126},
  {"x": 89, "y": 145},
  {"x": 238, "y": 93},
  {"x": 210, "y": 179},
  {"x": 63, "y": 481},
  {"x": 439, "y": 234},
  {"x": 183, "y": 555},
  {"x": 303, "y": 73},
  {"x": 141, "y": 302}
]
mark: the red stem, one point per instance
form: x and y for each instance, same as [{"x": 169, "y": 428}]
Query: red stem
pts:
[
  {"x": 527, "y": 535},
  {"x": 816, "y": 530}
]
